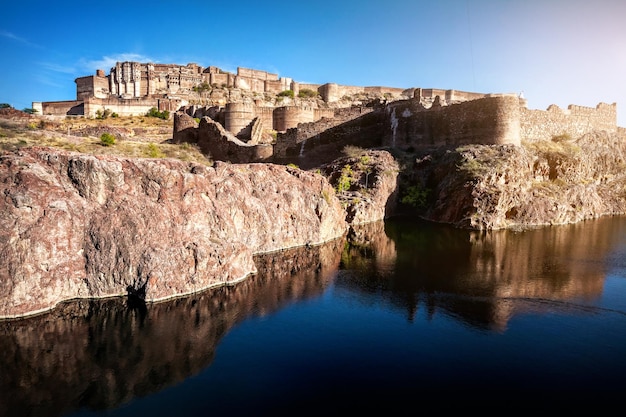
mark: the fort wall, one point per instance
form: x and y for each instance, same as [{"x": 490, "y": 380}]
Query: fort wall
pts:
[
  {"x": 92, "y": 86},
  {"x": 292, "y": 140},
  {"x": 488, "y": 120},
  {"x": 60, "y": 108},
  {"x": 574, "y": 121}
]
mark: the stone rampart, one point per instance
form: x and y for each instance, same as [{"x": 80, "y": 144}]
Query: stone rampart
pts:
[
  {"x": 218, "y": 143},
  {"x": 237, "y": 116},
  {"x": 347, "y": 126},
  {"x": 489, "y": 120},
  {"x": 129, "y": 107},
  {"x": 573, "y": 122},
  {"x": 60, "y": 108},
  {"x": 288, "y": 117}
]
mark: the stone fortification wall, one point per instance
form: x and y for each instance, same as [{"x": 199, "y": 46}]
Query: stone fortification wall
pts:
[
  {"x": 258, "y": 74},
  {"x": 292, "y": 141},
  {"x": 575, "y": 121},
  {"x": 427, "y": 96},
  {"x": 237, "y": 116},
  {"x": 306, "y": 86},
  {"x": 266, "y": 116},
  {"x": 288, "y": 117},
  {"x": 489, "y": 120},
  {"x": 332, "y": 92},
  {"x": 384, "y": 91},
  {"x": 129, "y": 107},
  {"x": 92, "y": 86},
  {"x": 218, "y": 143},
  {"x": 59, "y": 108}
]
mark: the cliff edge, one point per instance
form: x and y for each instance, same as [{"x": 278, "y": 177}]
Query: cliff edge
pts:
[{"x": 81, "y": 226}]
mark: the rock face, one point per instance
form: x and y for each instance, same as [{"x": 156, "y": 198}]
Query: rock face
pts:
[
  {"x": 367, "y": 184},
  {"x": 80, "y": 226},
  {"x": 559, "y": 181}
]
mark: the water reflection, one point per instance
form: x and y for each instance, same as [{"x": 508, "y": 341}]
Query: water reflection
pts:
[
  {"x": 480, "y": 278},
  {"x": 101, "y": 354}
]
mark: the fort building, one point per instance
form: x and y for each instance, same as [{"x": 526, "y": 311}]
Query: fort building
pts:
[{"x": 250, "y": 102}]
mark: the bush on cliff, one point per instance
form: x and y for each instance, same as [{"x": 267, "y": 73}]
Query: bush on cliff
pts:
[
  {"x": 107, "y": 139},
  {"x": 153, "y": 112},
  {"x": 286, "y": 93},
  {"x": 307, "y": 93}
]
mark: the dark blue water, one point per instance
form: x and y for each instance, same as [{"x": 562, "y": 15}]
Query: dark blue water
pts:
[{"x": 403, "y": 317}]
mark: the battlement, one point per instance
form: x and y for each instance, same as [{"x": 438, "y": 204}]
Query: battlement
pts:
[{"x": 573, "y": 121}]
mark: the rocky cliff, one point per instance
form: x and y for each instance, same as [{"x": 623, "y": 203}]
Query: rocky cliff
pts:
[
  {"x": 81, "y": 226},
  {"x": 559, "y": 181}
]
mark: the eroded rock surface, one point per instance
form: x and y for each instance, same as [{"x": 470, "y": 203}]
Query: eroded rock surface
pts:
[
  {"x": 559, "y": 181},
  {"x": 79, "y": 226},
  {"x": 367, "y": 184}
]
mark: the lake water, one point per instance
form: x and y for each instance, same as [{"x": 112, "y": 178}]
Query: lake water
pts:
[{"x": 403, "y": 316}]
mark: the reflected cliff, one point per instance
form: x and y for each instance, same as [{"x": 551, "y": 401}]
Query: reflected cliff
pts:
[
  {"x": 480, "y": 278},
  {"x": 99, "y": 354}
]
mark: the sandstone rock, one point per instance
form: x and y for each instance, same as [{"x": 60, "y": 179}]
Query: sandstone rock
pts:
[
  {"x": 74, "y": 225},
  {"x": 371, "y": 180},
  {"x": 538, "y": 184}
]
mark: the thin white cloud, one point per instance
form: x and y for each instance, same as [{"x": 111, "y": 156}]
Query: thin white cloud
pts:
[
  {"x": 58, "y": 68},
  {"x": 42, "y": 79},
  {"x": 12, "y": 36},
  {"x": 107, "y": 62}
]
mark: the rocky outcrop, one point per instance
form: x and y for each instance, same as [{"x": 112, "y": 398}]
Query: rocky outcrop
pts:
[
  {"x": 559, "y": 181},
  {"x": 366, "y": 181},
  {"x": 81, "y": 226}
]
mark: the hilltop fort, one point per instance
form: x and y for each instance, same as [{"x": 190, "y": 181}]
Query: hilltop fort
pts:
[{"x": 254, "y": 115}]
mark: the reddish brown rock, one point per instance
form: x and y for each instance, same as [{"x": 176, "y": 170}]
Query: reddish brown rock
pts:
[{"x": 74, "y": 226}]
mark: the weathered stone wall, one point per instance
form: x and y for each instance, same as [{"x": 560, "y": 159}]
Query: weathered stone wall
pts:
[
  {"x": 290, "y": 142},
  {"x": 218, "y": 143},
  {"x": 427, "y": 95},
  {"x": 92, "y": 86},
  {"x": 237, "y": 116},
  {"x": 489, "y": 120},
  {"x": 59, "y": 108},
  {"x": 288, "y": 117},
  {"x": 575, "y": 121}
]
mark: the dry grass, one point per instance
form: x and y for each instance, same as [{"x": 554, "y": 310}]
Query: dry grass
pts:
[{"x": 147, "y": 139}]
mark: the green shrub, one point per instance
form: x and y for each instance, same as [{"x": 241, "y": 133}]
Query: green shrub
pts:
[
  {"x": 153, "y": 112},
  {"x": 154, "y": 151},
  {"x": 202, "y": 87},
  {"x": 107, "y": 139},
  {"x": 307, "y": 93},
  {"x": 5, "y": 106},
  {"x": 415, "y": 196},
  {"x": 101, "y": 115},
  {"x": 346, "y": 179},
  {"x": 286, "y": 93},
  {"x": 29, "y": 110}
]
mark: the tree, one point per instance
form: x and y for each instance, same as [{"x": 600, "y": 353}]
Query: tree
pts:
[
  {"x": 29, "y": 110},
  {"x": 5, "y": 106}
]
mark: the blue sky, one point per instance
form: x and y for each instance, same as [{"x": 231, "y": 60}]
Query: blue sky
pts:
[{"x": 556, "y": 51}]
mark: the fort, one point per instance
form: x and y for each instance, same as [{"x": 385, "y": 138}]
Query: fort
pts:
[{"x": 263, "y": 117}]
